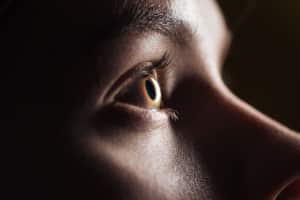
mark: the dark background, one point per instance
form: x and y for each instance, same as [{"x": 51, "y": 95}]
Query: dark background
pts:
[{"x": 263, "y": 66}]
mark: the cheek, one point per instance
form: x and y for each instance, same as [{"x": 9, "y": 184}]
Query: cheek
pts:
[
  {"x": 134, "y": 151},
  {"x": 144, "y": 163}
]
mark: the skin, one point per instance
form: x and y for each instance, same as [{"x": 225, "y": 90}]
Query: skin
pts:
[{"x": 84, "y": 147}]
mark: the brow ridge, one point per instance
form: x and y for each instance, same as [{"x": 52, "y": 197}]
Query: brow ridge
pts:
[{"x": 144, "y": 16}]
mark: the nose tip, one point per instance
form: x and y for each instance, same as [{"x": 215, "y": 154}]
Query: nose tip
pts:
[
  {"x": 269, "y": 151},
  {"x": 271, "y": 156},
  {"x": 291, "y": 191}
]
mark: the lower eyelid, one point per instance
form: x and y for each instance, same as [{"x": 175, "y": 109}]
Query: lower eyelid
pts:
[
  {"x": 152, "y": 115},
  {"x": 129, "y": 117}
]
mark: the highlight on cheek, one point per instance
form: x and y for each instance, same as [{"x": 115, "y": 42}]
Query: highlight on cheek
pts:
[{"x": 151, "y": 92}]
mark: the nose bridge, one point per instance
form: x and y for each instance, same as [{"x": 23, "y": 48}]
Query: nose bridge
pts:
[{"x": 269, "y": 152}]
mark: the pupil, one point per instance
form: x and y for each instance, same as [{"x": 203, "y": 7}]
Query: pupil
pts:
[{"x": 150, "y": 89}]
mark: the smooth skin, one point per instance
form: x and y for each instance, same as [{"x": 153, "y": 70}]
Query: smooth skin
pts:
[{"x": 84, "y": 145}]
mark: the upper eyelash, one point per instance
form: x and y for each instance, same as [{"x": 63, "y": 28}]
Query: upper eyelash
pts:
[{"x": 163, "y": 64}]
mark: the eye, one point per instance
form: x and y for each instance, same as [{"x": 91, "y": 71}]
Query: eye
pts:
[
  {"x": 144, "y": 92},
  {"x": 144, "y": 86},
  {"x": 152, "y": 92}
]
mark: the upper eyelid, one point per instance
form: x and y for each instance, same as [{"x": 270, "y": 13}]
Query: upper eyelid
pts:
[
  {"x": 163, "y": 62},
  {"x": 160, "y": 64}
]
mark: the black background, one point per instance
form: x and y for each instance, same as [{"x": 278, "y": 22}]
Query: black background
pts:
[{"x": 263, "y": 66}]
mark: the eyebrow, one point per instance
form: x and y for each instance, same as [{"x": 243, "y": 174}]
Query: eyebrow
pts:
[{"x": 144, "y": 16}]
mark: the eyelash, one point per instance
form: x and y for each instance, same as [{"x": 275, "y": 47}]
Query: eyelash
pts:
[{"x": 162, "y": 65}]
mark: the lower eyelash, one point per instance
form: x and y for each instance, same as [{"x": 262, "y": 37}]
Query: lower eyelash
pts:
[{"x": 172, "y": 114}]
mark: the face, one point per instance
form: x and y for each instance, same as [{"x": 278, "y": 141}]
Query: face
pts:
[{"x": 144, "y": 113}]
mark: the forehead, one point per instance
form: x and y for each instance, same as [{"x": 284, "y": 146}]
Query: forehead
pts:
[
  {"x": 102, "y": 11},
  {"x": 202, "y": 18},
  {"x": 199, "y": 15}
]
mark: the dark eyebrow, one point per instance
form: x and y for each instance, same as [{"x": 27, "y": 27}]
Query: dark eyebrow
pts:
[{"x": 144, "y": 16}]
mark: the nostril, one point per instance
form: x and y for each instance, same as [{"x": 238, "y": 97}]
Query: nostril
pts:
[{"x": 291, "y": 192}]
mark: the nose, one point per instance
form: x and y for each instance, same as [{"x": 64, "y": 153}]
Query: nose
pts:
[
  {"x": 270, "y": 152},
  {"x": 247, "y": 154}
]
